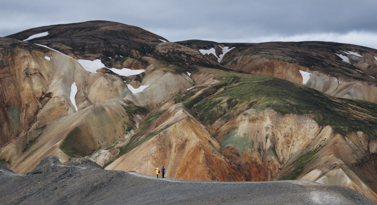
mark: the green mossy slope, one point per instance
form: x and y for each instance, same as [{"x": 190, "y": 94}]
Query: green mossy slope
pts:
[{"x": 260, "y": 92}]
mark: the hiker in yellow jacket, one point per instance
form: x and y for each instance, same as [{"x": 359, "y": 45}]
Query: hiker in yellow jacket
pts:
[{"x": 157, "y": 171}]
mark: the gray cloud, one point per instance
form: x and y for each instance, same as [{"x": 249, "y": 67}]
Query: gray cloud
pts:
[{"x": 220, "y": 20}]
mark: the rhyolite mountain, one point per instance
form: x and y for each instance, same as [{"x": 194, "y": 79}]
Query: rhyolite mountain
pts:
[{"x": 131, "y": 100}]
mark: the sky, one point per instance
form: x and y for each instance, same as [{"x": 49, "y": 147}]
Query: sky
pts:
[{"x": 245, "y": 21}]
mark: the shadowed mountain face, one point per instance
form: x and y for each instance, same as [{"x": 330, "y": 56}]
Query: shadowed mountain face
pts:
[{"x": 130, "y": 100}]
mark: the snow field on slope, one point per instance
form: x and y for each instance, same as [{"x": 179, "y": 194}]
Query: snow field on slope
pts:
[
  {"x": 375, "y": 58},
  {"x": 190, "y": 88},
  {"x": 127, "y": 71},
  {"x": 73, "y": 94},
  {"x": 225, "y": 50},
  {"x": 305, "y": 76},
  {"x": 51, "y": 49},
  {"x": 353, "y": 53},
  {"x": 208, "y": 51},
  {"x": 344, "y": 58},
  {"x": 136, "y": 90},
  {"x": 38, "y": 35},
  {"x": 92, "y": 66}
]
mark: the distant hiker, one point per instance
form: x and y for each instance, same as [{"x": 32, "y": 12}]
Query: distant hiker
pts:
[
  {"x": 163, "y": 171},
  {"x": 157, "y": 171}
]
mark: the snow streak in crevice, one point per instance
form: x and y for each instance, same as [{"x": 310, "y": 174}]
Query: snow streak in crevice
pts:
[
  {"x": 136, "y": 90},
  {"x": 225, "y": 50},
  {"x": 344, "y": 58},
  {"x": 305, "y": 76},
  {"x": 38, "y": 35},
  {"x": 73, "y": 94},
  {"x": 92, "y": 67}
]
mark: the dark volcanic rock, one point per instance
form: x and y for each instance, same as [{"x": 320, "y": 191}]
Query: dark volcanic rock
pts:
[
  {"x": 5, "y": 169},
  {"x": 80, "y": 181},
  {"x": 95, "y": 39},
  {"x": 314, "y": 55},
  {"x": 110, "y": 40}
]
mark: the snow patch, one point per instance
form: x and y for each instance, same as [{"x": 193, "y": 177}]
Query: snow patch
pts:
[
  {"x": 226, "y": 49},
  {"x": 344, "y": 58},
  {"x": 305, "y": 76},
  {"x": 73, "y": 94},
  {"x": 136, "y": 90},
  {"x": 359, "y": 71},
  {"x": 188, "y": 73},
  {"x": 52, "y": 49},
  {"x": 190, "y": 88},
  {"x": 127, "y": 71},
  {"x": 162, "y": 40},
  {"x": 353, "y": 53},
  {"x": 372, "y": 77},
  {"x": 208, "y": 51},
  {"x": 47, "y": 58},
  {"x": 91, "y": 66},
  {"x": 375, "y": 58},
  {"x": 38, "y": 35}
]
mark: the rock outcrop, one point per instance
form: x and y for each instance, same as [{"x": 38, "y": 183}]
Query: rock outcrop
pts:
[
  {"x": 344, "y": 89},
  {"x": 184, "y": 146}
]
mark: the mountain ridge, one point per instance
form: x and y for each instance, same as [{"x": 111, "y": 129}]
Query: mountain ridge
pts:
[{"x": 115, "y": 187}]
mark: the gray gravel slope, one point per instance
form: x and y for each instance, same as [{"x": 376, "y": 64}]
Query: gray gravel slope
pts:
[{"x": 80, "y": 181}]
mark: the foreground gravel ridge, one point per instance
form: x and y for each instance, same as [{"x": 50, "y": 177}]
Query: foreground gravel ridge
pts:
[{"x": 81, "y": 181}]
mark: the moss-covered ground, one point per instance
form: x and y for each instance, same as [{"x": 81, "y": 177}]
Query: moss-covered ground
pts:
[
  {"x": 68, "y": 144},
  {"x": 239, "y": 142},
  {"x": 300, "y": 163},
  {"x": 131, "y": 110},
  {"x": 141, "y": 136},
  {"x": 125, "y": 149},
  {"x": 145, "y": 124}
]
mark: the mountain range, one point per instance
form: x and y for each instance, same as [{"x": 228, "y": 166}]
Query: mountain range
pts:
[{"x": 130, "y": 100}]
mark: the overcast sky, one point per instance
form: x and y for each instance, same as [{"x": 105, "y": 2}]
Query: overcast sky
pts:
[{"x": 345, "y": 21}]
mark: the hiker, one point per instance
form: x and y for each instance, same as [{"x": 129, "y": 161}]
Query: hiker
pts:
[
  {"x": 157, "y": 171},
  {"x": 163, "y": 171}
]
